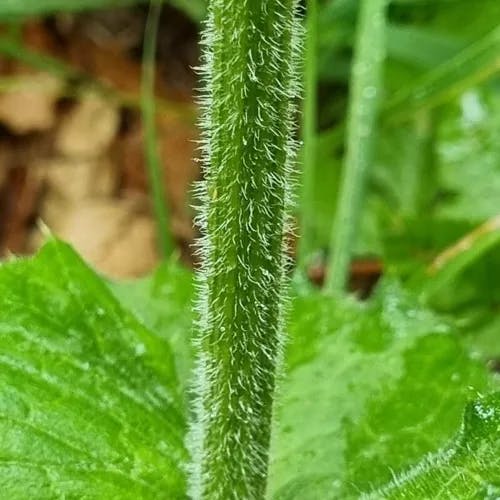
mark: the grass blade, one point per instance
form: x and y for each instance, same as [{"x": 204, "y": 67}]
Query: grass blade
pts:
[
  {"x": 309, "y": 134},
  {"x": 454, "y": 260},
  {"x": 366, "y": 89},
  {"x": 475, "y": 64},
  {"x": 148, "y": 109}
]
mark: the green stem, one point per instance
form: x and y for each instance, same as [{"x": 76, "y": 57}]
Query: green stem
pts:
[
  {"x": 418, "y": 170},
  {"x": 309, "y": 123},
  {"x": 363, "y": 108},
  {"x": 250, "y": 89},
  {"x": 148, "y": 109}
]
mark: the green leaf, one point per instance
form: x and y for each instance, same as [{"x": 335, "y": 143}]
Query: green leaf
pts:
[
  {"x": 475, "y": 64},
  {"x": 470, "y": 249},
  {"x": 196, "y": 9},
  {"x": 90, "y": 406},
  {"x": 163, "y": 303},
  {"x": 469, "y": 155},
  {"x": 12, "y": 8},
  {"x": 89, "y": 399},
  {"x": 469, "y": 468},
  {"x": 371, "y": 390},
  {"x": 420, "y": 47}
]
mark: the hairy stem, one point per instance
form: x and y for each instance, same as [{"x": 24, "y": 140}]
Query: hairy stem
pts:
[
  {"x": 309, "y": 119},
  {"x": 250, "y": 89},
  {"x": 363, "y": 108},
  {"x": 148, "y": 109}
]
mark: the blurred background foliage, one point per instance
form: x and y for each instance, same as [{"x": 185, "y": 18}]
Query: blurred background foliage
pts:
[{"x": 431, "y": 208}]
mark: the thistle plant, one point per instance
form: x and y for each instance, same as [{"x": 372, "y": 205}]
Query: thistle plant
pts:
[
  {"x": 250, "y": 91},
  {"x": 374, "y": 403}
]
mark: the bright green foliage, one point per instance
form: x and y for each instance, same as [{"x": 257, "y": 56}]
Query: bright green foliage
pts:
[
  {"x": 146, "y": 298},
  {"x": 364, "y": 401},
  {"x": 251, "y": 88},
  {"x": 475, "y": 64},
  {"x": 89, "y": 400},
  {"x": 468, "y": 145},
  {"x": 90, "y": 406},
  {"x": 441, "y": 57},
  {"x": 469, "y": 468}
]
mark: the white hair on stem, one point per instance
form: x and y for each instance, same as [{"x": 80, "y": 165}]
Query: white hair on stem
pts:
[{"x": 250, "y": 91}]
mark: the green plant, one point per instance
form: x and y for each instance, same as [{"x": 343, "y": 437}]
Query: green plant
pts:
[
  {"x": 93, "y": 403},
  {"x": 148, "y": 108},
  {"x": 309, "y": 133},
  {"x": 250, "y": 78},
  {"x": 13, "y": 9},
  {"x": 94, "y": 397},
  {"x": 366, "y": 90}
]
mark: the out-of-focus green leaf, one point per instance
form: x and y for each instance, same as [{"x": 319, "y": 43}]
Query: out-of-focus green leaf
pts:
[
  {"x": 470, "y": 21},
  {"x": 196, "y": 9},
  {"x": 469, "y": 156},
  {"x": 11, "y": 8},
  {"x": 371, "y": 389},
  {"x": 420, "y": 47},
  {"x": 475, "y": 64},
  {"x": 89, "y": 400},
  {"x": 465, "y": 252},
  {"x": 15, "y": 8}
]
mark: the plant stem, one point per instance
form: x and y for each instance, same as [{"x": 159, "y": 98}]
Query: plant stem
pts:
[
  {"x": 148, "y": 109},
  {"x": 309, "y": 121},
  {"x": 363, "y": 107},
  {"x": 418, "y": 171},
  {"x": 251, "y": 87}
]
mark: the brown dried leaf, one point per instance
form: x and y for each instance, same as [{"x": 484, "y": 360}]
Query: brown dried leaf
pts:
[
  {"x": 30, "y": 104},
  {"x": 18, "y": 201},
  {"x": 75, "y": 179},
  {"x": 89, "y": 128},
  {"x": 116, "y": 236}
]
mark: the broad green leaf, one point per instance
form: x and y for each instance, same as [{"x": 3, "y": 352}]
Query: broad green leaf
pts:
[
  {"x": 468, "y": 468},
  {"x": 90, "y": 406},
  {"x": 371, "y": 390},
  {"x": 163, "y": 302},
  {"x": 89, "y": 400}
]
